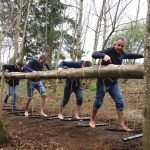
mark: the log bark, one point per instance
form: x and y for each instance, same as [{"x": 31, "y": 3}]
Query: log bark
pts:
[
  {"x": 146, "y": 127},
  {"x": 110, "y": 71}
]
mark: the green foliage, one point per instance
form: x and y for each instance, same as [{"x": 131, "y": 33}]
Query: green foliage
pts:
[
  {"x": 43, "y": 28},
  {"x": 53, "y": 12},
  {"x": 92, "y": 87}
]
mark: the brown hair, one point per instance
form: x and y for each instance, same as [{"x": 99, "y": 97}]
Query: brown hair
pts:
[
  {"x": 87, "y": 63},
  {"x": 119, "y": 38},
  {"x": 42, "y": 57},
  {"x": 19, "y": 63}
]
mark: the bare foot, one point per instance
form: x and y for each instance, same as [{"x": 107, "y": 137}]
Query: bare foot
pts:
[
  {"x": 77, "y": 117},
  {"x": 43, "y": 114},
  {"x": 60, "y": 116},
  {"x": 26, "y": 113},
  {"x": 123, "y": 127},
  {"x": 92, "y": 124}
]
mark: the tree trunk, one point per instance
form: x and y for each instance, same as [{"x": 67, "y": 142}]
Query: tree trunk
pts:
[
  {"x": 4, "y": 136},
  {"x": 1, "y": 33},
  {"x": 146, "y": 138},
  {"x": 105, "y": 22},
  {"x": 48, "y": 51},
  {"x": 110, "y": 71},
  {"x": 79, "y": 31},
  {"x": 22, "y": 50},
  {"x": 98, "y": 26}
]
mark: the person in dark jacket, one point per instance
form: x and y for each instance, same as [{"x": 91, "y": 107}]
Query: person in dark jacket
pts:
[
  {"x": 36, "y": 64},
  {"x": 114, "y": 55},
  {"x": 72, "y": 85},
  {"x": 12, "y": 83}
]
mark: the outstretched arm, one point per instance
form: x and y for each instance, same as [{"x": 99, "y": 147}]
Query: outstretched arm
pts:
[
  {"x": 69, "y": 64},
  {"x": 6, "y": 67},
  {"x": 132, "y": 56}
]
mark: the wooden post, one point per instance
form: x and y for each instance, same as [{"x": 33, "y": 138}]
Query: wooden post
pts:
[
  {"x": 1, "y": 93},
  {"x": 146, "y": 127}
]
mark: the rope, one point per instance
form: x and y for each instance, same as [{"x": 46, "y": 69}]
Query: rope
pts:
[
  {"x": 98, "y": 70},
  {"x": 120, "y": 71},
  {"x": 83, "y": 72},
  {"x": 68, "y": 73}
]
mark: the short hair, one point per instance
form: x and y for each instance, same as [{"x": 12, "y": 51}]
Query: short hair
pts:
[
  {"x": 119, "y": 38},
  {"x": 87, "y": 63},
  {"x": 42, "y": 56},
  {"x": 19, "y": 63}
]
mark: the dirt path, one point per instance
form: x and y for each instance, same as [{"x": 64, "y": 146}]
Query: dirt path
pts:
[{"x": 36, "y": 134}]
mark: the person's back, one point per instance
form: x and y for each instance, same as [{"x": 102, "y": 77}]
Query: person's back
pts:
[
  {"x": 36, "y": 65},
  {"x": 72, "y": 85}
]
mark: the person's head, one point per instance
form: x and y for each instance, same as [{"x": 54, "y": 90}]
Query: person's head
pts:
[
  {"x": 87, "y": 64},
  {"x": 19, "y": 65},
  {"x": 119, "y": 44},
  {"x": 42, "y": 59}
]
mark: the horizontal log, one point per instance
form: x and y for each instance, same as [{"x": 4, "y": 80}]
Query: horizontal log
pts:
[{"x": 110, "y": 71}]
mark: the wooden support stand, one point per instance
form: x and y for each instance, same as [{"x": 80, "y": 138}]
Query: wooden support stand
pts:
[
  {"x": 132, "y": 137},
  {"x": 87, "y": 125}
]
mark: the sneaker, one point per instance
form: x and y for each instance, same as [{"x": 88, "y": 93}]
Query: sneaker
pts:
[
  {"x": 26, "y": 113},
  {"x": 77, "y": 117},
  {"x": 60, "y": 116}
]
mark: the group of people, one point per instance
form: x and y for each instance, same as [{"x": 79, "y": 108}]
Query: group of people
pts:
[{"x": 114, "y": 55}]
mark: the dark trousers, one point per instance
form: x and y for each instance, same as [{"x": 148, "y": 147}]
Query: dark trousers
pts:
[{"x": 72, "y": 86}]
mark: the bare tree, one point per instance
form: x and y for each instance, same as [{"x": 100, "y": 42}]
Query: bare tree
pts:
[
  {"x": 1, "y": 31},
  {"x": 61, "y": 41},
  {"x": 22, "y": 49},
  {"x": 98, "y": 26},
  {"x": 17, "y": 31},
  {"x": 105, "y": 22},
  {"x": 79, "y": 31},
  {"x": 135, "y": 25},
  {"x": 115, "y": 18}
]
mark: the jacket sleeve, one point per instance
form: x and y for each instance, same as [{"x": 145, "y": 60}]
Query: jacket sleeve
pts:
[
  {"x": 6, "y": 67},
  {"x": 98, "y": 55},
  {"x": 69, "y": 64},
  {"x": 28, "y": 67},
  {"x": 132, "y": 56}
]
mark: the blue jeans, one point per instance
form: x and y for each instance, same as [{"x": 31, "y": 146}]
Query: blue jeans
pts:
[
  {"x": 31, "y": 85},
  {"x": 12, "y": 91},
  {"x": 72, "y": 86},
  {"x": 114, "y": 91}
]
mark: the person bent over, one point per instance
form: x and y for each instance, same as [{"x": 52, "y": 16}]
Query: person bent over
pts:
[
  {"x": 12, "y": 83},
  {"x": 72, "y": 85},
  {"x": 33, "y": 66}
]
